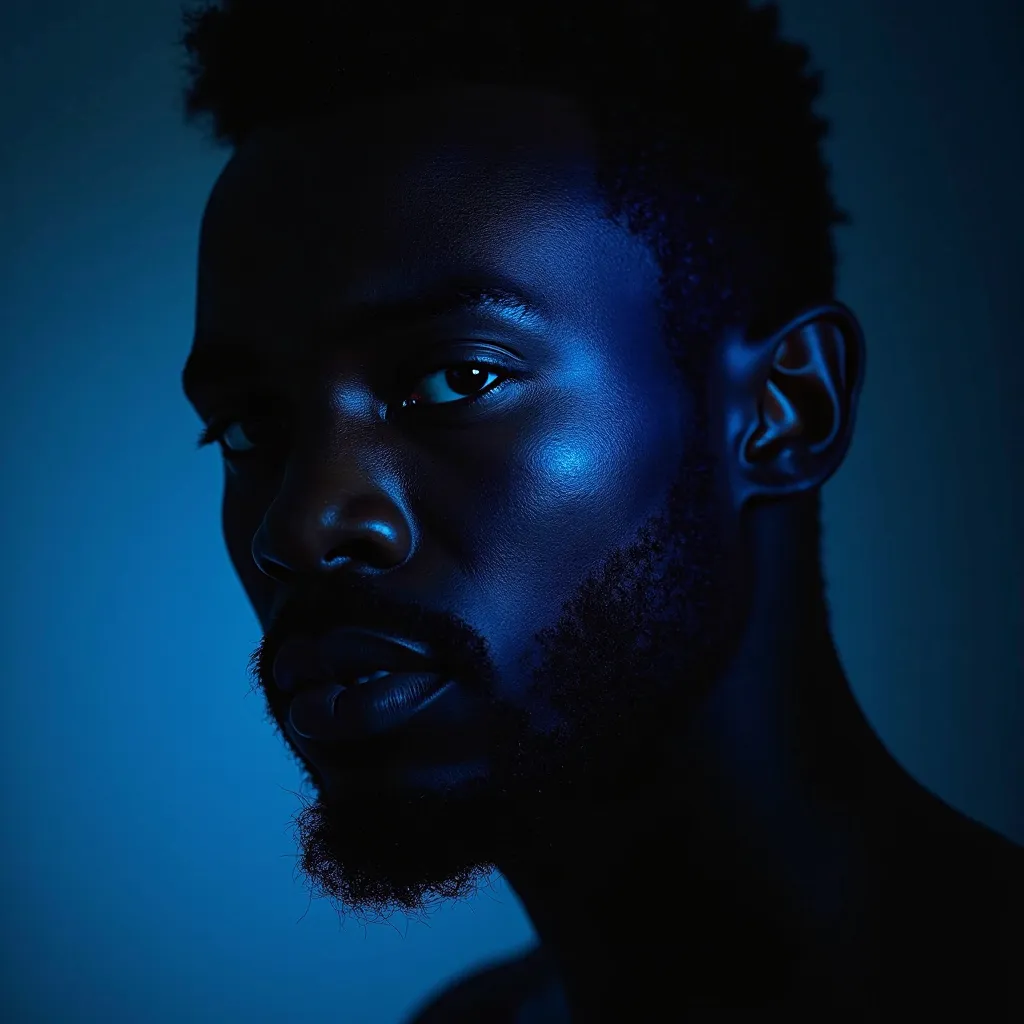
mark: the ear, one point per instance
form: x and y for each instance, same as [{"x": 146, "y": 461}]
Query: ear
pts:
[{"x": 791, "y": 402}]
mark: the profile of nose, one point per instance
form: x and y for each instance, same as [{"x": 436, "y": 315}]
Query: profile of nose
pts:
[{"x": 365, "y": 535}]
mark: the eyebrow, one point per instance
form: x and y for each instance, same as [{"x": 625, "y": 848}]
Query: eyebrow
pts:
[{"x": 219, "y": 361}]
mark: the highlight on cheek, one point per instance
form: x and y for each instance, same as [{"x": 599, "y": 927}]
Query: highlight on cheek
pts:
[{"x": 574, "y": 462}]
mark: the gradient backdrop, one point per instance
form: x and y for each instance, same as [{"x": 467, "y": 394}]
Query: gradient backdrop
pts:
[{"x": 148, "y": 866}]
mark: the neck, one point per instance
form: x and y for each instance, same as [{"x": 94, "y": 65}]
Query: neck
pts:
[{"x": 737, "y": 879}]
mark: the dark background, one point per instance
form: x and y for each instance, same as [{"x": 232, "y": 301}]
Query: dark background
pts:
[{"x": 147, "y": 860}]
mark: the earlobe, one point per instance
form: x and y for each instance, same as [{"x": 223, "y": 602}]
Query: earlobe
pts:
[{"x": 805, "y": 382}]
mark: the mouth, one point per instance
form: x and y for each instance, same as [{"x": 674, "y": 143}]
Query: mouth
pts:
[
  {"x": 347, "y": 657},
  {"x": 367, "y": 706},
  {"x": 353, "y": 683},
  {"x": 372, "y": 677},
  {"x": 380, "y": 676}
]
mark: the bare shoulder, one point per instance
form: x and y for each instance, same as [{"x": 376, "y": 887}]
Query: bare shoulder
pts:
[
  {"x": 505, "y": 992},
  {"x": 962, "y": 914},
  {"x": 999, "y": 864}
]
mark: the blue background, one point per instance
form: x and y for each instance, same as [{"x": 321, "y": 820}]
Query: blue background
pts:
[{"x": 148, "y": 867}]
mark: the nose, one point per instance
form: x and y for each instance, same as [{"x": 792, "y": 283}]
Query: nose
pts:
[{"x": 365, "y": 534}]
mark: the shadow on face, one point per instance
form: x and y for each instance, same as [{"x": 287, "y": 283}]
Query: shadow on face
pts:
[{"x": 448, "y": 413}]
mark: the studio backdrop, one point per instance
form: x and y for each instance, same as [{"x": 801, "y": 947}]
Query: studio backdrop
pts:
[{"x": 148, "y": 866}]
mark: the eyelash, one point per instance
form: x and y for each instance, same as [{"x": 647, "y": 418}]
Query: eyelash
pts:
[{"x": 213, "y": 433}]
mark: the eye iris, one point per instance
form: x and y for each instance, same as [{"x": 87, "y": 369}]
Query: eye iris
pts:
[
  {"x": 236, "y": 438},
  {"x": 247, "y": 433},
  {"x": 464, "y": 380}
]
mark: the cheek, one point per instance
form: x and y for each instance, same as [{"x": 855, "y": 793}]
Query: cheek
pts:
[
  {"x": 241, "y": 515},
  {"x": 574, "y": 491},
  {"x": 577, "y": 475},
  {"x": 600, "y": 468}
]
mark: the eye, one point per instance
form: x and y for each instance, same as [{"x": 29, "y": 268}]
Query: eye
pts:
[
  {"x": 457, "y": 384},
  {"x": 241, "y": 436},
  {"x": 460, "y": 383},
  {"x": 234, "y": 438}
]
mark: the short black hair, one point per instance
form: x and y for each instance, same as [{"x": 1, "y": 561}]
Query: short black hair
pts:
[
  {"x": 709, "y": 144},
  {"x": 709, "y": 147}
]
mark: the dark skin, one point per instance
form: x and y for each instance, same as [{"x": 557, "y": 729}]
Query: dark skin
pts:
[{"x": 673, "y": 777}]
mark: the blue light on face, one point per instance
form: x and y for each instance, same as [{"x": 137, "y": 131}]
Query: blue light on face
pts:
[{"x": 566, "y": 457}]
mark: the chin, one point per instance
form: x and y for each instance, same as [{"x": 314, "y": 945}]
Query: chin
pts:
[{"x": 448, "y": 783}]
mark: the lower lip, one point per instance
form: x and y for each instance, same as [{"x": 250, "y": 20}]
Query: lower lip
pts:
[{"x": 329, "y": 712}]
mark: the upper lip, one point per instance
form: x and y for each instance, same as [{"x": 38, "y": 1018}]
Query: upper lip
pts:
[{"x": 345, "y": 654}]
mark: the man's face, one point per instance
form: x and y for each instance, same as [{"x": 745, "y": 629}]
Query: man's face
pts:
[{"x": 555, "y": 541}]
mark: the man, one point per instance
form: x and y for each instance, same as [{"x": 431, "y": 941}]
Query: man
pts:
[{"x": 516, "y": 329}]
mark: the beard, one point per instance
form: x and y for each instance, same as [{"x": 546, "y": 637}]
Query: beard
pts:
[{"x": 611, "y": 683}]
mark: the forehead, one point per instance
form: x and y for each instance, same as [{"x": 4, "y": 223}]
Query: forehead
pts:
[{"x": 392, "y": 198}]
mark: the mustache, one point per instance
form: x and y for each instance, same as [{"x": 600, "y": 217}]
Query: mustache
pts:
[
  {"x": 357, "y": 603},
  {"x": 325, "y": 605}
]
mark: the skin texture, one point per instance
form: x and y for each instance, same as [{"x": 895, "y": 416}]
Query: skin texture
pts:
[{"x": 649, "y": 721}]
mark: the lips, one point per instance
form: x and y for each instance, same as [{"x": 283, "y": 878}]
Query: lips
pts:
[
  {"x": 349, "y": 657},
  {"x": 329, "y": 713}
]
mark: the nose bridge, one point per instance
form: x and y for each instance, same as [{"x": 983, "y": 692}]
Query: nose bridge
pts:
[{"x": 340, "y": 506}]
